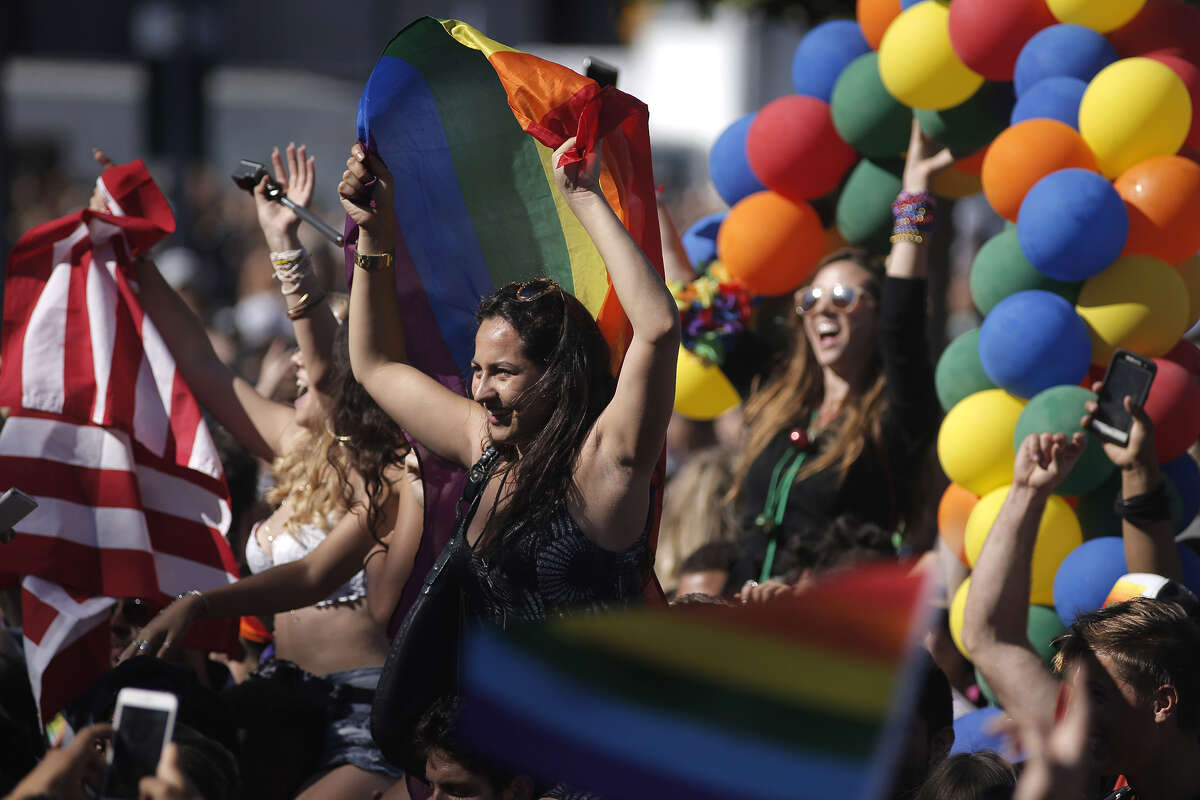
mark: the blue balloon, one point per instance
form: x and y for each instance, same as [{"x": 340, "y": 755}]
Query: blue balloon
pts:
[
  {"x": 700, "y": 239},
  {"x": 1033, "y": 340},
  {"x": 823, "y": 53},
  {"x": 1072, "y": 224},
  {"x": 1184, "y": 473},
  {"x": 1086, "y": 576},
  {"x": 1051, "y": 98},
  {"x": 729, "y": 166},
  {"x": 909, "y": 3},
  {"x": 1070, "y": 50},
  {"x": 972, "y": 732}
]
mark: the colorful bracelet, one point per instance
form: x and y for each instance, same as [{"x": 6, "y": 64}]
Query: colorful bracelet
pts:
[{"x": 914, "y": 217}]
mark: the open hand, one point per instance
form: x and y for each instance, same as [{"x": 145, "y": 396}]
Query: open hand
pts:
[
  {"x": 161, "y": 636},
  {"x": 279, "y": 222},
  {"x": 925, "y": 158},
  {"x": 578, "y": 180},
  {"x": 98, "y": 202},
  {"x": 366, "y": 194},
  {"x": 1044, "y": 459}
]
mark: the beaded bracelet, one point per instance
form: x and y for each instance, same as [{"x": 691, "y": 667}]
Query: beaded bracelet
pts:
[
  {"x": 291, "y": 267},
  {"x": 913, "y": 215}
]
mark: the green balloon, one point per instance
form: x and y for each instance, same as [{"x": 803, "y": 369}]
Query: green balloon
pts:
[
  {"x": 864, "y": 208},
  {"x": 959, "y": 372},
  {"x": 1095, "y": 509},
  {"x": 865, "y": 114},
  {"x": 972, "y": 124},
  {"x": 1001, "y": 269},
  {"x": 1044, "y": 626},
  {"x": 1058, "y": 410}
]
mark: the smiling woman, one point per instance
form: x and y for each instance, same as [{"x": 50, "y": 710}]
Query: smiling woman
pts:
[{"x": 838, "y": 429}]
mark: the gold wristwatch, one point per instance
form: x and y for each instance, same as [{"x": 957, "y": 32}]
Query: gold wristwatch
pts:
[{"x": 371, "y": 262}]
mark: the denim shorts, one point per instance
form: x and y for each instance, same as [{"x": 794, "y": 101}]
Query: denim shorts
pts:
[{"x": 348, "y": 737}]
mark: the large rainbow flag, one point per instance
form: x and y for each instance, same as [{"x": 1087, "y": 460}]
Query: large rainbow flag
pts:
[
  {"x": 804, "y": 697},
  {"x": 467, "y": 127}
]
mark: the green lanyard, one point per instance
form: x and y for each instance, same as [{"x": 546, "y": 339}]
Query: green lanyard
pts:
[{"x": 778, "y": 492}]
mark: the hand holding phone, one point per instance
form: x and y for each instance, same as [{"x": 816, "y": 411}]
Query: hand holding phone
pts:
[
  {"x": 143, "y": 723},
  {"x": 1129, "y": 375}
]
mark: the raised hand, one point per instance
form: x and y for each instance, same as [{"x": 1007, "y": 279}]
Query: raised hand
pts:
[
  {"x": 925, "y": 158},
  {"x": 279, "y": 223},
  {"x": 366, "y": 194},
  {"x": 578, "y": 180},
  {"x": 1043, "y": 460},
  {"x": 97, "y": 201},
  {"x": 1139, "y": 450}
]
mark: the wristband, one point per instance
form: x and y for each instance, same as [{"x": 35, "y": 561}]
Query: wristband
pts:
[
  {"x": 1143, "y": 509},
  {"x": 371, "y": 262},
  {"x": 913, "y": 215}
]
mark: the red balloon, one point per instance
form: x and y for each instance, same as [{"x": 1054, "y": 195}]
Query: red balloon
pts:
[
  {"x": 1174, "y": 406},
  {"x": 1186, "y": 355},
  {"x": 1189, "y": 73},
  {"x": 1162, "y": 27},
  {"x": 794, "y": 149},
  {"x": 989, "y": 34}
]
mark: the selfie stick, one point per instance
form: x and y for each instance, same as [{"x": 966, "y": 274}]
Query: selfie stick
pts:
[{"x": 275, "y": 192}]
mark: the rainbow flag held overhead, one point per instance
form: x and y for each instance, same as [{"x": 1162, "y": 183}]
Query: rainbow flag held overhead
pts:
[
  {"x": 467, "y": 126},
  {"x": 803, "y": 697}
]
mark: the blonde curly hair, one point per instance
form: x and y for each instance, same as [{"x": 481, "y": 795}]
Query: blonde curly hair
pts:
[{"x": 305, "y": 477}]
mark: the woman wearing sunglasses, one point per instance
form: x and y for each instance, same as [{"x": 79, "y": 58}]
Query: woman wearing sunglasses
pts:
[
  {"x": 841, "y": 427},
  {"x": 558, "y": 501}
]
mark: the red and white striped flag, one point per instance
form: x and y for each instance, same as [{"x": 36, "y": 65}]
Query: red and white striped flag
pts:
[{"x": 105, "y": 435}]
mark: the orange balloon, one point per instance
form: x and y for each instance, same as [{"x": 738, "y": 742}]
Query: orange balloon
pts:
[
  {"x": 771, "y": 244},
  {"x": 1162, "y": 196},
  {"x": 1024, "y": 154},
  {"x": 954, "y": 183},
  {"x": 874, "y": 17},
  {"x": 953, "y": 511},
  {"x": 972, "y": 164}
]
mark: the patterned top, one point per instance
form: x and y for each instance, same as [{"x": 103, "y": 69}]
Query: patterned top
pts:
[{"x": 551, "y": 567}]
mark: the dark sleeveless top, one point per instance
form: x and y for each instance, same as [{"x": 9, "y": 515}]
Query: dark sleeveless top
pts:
[{"x": 548, "y": 567}]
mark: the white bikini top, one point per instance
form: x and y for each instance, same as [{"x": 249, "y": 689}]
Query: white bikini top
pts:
[{"x": 293, "y": 546}]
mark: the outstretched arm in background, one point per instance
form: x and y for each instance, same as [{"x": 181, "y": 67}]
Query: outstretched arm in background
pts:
[
  {"x": 997, "y": 612},
  {"x": 448, "y": 424},
  {"x": 627, "y": 439},
  {"x": 1149, "y": 546},
  {"x": 924, "y": 159}
]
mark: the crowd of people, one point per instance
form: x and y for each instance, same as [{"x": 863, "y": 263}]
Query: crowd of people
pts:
[{"x": 823, "y": 471}]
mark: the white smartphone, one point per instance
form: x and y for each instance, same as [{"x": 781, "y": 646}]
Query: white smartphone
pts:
[
  {"x": 143, "y": 724},
  {"x": 15, "y": 506}
]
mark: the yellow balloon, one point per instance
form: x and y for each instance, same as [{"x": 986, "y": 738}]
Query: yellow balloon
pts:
[
  {"x": 702, "y": 391},
  {"x": 975, "y": 440},
  {"x": 1099, "y": 15},
  {"x": 1134, "y": 109},
  {"x": 1138, "y": 303},
  {"x": 1190, "y": 272},
  {"x": 958, "y": 607},
  {"x": 917, "y": 63},
  {"x": 953, "y": 183},
  {"x": 1058, "y": 534}
]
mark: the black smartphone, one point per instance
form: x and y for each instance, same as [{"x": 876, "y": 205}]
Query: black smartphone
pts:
[
  {"x": 1129, "y": 375},
  {"x": 15, "y": 505},
  {"x": 142, "y": 726},
  {"x": 601, "y": 72}
]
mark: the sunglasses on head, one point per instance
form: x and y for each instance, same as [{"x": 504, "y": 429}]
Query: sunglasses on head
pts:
[
  {"x": 528, "y": 291},
  {"x": 843, "y": 297}
]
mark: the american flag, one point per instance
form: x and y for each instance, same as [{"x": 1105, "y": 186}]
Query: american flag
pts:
[{"x": 107, "y": 437}]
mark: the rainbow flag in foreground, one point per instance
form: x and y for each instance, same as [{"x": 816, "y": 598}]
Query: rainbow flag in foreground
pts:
[
  {"x": 803, "y": 697},
  {"x": 467, "y": 126}
]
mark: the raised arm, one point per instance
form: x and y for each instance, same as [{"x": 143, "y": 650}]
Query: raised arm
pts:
[
  {"x": 630, "y": 431},
  {"x": 1149, "y": 539},
  {"x": 312, "y": 320},
  {"x": 448, "y": 424},
  {"x": 389, "y": 571},
  {"x": 281, "y": 588},
  {"x": 997, "y": 612},
  {"x": 908, "y": 258}
]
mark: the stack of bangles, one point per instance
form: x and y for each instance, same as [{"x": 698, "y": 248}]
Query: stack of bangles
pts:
[
  {"x": 913, "y": 215},
  {"x": 291, "y": 268}
]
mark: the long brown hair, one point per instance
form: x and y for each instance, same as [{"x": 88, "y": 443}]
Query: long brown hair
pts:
[
  {"x": 559, "y": 335},
  {"x": 797, "y": 388}
]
